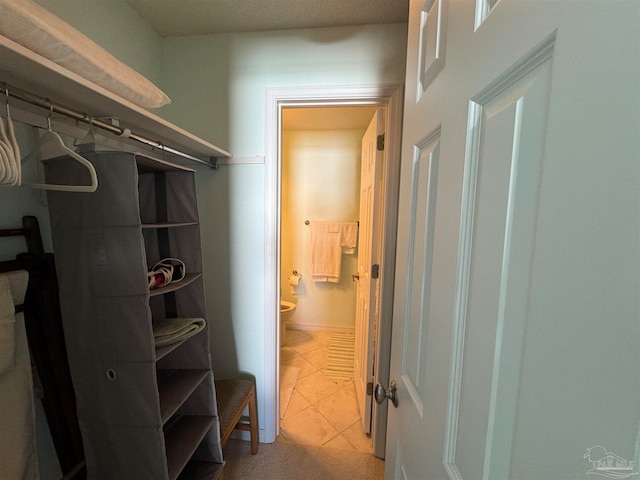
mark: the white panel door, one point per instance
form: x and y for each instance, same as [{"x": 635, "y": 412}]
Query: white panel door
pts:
[
  {"x": 516, "y": 334},
  {"x": 368, "y": 255}
]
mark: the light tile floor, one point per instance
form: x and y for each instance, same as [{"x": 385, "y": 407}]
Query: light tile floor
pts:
[{"x": 321, "y": 411}]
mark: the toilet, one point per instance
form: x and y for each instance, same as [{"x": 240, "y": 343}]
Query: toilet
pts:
[{"x": 286, "y": 311}]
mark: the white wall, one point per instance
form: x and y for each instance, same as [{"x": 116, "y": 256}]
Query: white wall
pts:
[
  {"x": 218, "y": 84},
  {"x": 320, "y": 181}
]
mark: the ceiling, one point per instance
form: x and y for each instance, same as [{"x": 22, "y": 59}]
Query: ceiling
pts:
[
  {"x": 327, "y": 118},
  {"x": 197, "y": 17}
]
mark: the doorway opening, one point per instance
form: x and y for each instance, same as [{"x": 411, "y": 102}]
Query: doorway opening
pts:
[
  {"x": 320, "y": 238},
  {"x": 278, "y": 100}
]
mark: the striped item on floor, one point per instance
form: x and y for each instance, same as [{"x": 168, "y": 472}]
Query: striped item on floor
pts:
[{"x": 340, "y": 360}]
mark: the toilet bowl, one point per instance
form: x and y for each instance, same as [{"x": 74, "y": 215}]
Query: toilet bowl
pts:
[{"x": 286, "y": 311}]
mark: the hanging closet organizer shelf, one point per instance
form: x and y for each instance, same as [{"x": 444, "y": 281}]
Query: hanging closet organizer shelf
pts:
[
  {"x": 165, "y": 350},
  {"x": 201, "y": 471},
  {"x": 172, "y": 287},
  {"x": 181, "y": 440},
  {"x": 168, "y": 225},
  {"x": 175, "y": 387},
  {"x": 179, "y": 389}
]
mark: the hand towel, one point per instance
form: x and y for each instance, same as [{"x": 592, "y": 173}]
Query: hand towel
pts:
[
  {"x": 18, "y": 454},
  {"x": 326, "y": 252},
  {"x": 167, "y": 331},
  {"x": 348, "y": 237}
]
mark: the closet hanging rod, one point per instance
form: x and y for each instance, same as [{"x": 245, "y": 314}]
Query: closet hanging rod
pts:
[{"x": 47, "y": 104}]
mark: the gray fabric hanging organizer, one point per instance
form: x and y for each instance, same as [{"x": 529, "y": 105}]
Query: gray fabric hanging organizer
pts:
[{"x": 144, "y": 411}]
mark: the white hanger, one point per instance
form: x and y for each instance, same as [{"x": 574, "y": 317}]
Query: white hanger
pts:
[
  {"x": 51, "y": 138},
  {"x": 5, "y": 167},
  {"x": 10, "y": 172},
  {"x": 12, "y": 166},
  {"x": 14, "y": 141}
]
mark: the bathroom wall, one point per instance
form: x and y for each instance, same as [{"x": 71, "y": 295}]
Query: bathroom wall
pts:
[{"x": 320, "y": 181}]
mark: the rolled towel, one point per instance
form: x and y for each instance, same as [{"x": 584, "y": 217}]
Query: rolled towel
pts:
[{"x": 172, "y": 330}]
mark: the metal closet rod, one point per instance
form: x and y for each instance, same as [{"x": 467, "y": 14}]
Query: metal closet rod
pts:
[{"x": 42, "y": 102}]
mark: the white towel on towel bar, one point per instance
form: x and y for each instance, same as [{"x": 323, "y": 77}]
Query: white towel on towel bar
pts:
[
  {"x": 348, "y": 237},
  {"x": 328, "y": 242},
  {"x": 326, "y": 252}
]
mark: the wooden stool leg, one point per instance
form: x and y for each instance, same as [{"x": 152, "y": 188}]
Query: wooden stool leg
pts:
[{"x": 253, "y": 422}]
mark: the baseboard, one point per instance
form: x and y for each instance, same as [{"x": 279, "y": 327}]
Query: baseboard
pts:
[{"x": 310, "y": 327}]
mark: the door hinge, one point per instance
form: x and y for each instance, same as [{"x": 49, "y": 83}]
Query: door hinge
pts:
[
  {"x": 370, "y": 388},
  {"x": 380, "y": 144},
  {"x": 375, "y": 271}
]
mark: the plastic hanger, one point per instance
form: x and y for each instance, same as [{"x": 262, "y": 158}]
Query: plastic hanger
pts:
[
  {"x": 52, "y": 139},
  {"x": 14, "y": 141},
  {"x": 5, "y": 168},
  {"x": 10, "y": 171},
  {"x": 11, "y": 174}
]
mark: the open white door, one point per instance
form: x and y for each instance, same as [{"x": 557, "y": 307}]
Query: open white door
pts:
[
  {"x": 516, "y": 335},
  {"x": 368, "y": 263}
]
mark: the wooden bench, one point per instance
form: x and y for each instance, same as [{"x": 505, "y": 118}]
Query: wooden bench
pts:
[{"x": 233, "y": 396}]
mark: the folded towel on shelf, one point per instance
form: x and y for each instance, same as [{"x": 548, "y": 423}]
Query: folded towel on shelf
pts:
[{"x": 172, "y": 330}]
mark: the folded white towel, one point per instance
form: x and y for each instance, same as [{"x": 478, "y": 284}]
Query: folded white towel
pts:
[{"x": 348, "y": 237}]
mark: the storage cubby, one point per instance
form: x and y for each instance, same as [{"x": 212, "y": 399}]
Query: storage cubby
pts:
[{"x": 145, "y": 412}]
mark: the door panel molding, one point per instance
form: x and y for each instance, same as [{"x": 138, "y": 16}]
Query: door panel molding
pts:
[
  {"x": 483, "y": 9},
  {"x": 520, "y": 94},
  {"x": 424, "y": 179},
  {"x": 432, "y": 47},
  {"x": 400, "y": 471}
]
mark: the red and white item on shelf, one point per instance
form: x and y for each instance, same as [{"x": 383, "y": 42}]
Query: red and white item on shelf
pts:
[{"x": 166, "y": 271}]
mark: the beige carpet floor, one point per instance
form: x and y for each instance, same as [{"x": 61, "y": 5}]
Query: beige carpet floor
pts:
[{"x": 282, "y": 460}]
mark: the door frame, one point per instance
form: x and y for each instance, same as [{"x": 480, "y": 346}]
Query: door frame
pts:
[{"x": 391, "y": 98}]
